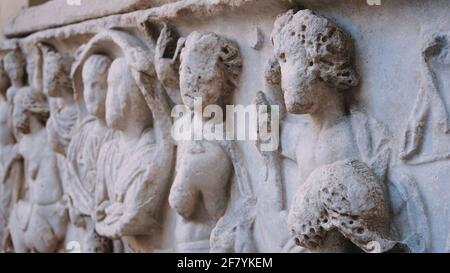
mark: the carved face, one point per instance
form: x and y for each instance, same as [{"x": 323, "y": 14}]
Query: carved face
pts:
[
  {"x": 14, "y": 66},
  {"x": 209, "y": 65},
  {"x": 201, "y": 74},
  {"x": 56, "y": 78},
  {"x": 124, "y": 100},
  {"x": 297, "y": 79},
  {"x": 313, "y": 54},
  {"x": 95, "y": 84},
  {"x": 29, "y": 105}
]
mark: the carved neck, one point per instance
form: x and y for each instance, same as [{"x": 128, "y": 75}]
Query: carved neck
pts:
[
  {"x": 132, "y": 130},
  {"x": 17, "y": 83},
  {"x": 330, "y": 109},
  {"x": 35, "y": 125},
  {"x": 67, "y": 96}
]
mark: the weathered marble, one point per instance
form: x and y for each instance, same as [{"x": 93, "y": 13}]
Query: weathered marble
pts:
[{"x": 351, "y": 145}]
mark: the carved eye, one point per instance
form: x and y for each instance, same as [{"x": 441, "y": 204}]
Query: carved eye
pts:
[{"x": 282, "y": 57}]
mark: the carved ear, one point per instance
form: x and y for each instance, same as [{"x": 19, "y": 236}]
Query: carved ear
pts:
[
  {"x": 227, "y": 52},
  {"x": 230, "y": 57}
]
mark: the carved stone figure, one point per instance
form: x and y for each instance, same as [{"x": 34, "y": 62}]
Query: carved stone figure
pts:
[
  {"x": 429, "y": 118},
  {"x": 6, "y": 139},
  {"x": 11, "y": 172},
  {"x": 57, "y": 85},
  {"x": 14, "y": 63},
  {"x": 132, "y": 169},
  {"x": 352, "y": 150},
  {"x": 209, "y": 67},
  {"x": 38, "y": 220},
  {"x": 315, "y": 60},
  {"x": 82, "y": 153}
]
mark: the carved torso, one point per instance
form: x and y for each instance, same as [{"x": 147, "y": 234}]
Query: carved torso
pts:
[
  {"x": 133, "y": 196},
  {"x": 82, "y": 157},
  {"x": 40, "y": 164},
  {"x": 317, "y": 147}
]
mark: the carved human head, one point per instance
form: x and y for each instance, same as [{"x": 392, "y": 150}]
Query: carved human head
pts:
[
  {"x": 210, "y": 68},
  {"x": 56, "y": 72},
  {"x": 4, "y": 80},
  {"x": 345, "y": 197},
  {"x": 312, "y": 52},
  {"x": 124, "y": 101},
  {"x": 95, "y": 77},
  {"x": 14, "y": 63},
  {"x": 28, "y": 105}
]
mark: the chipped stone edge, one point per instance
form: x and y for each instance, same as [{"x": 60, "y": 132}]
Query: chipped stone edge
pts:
[{"x": 167, "y": 12}]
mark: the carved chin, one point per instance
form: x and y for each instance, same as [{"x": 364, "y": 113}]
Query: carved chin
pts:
[{"x": 299, "y": 109}]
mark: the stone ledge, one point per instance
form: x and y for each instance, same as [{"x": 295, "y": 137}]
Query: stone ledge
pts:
[
  {"x": 167, "y": 12},
  {"x": 59, "y": 13}
]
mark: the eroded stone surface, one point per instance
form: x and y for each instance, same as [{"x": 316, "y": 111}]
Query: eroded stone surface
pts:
[{"x": 87, "y": 155}]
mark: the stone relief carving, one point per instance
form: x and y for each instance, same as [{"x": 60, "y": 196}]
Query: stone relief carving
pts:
[
  {"x": 86, "y": 144},
  {"x": 12, "y": 76},
  {"x": 57, "y": 85},
  {"x": 315, "y": 59},
  {"x": 132, "y": 169},
  {"x": 209, "y": 67},
  {"x": 429, "y": 117},
  {"x": 7, "y": 142},
  {"x": 38, "y": 220},
  {"x": 82, "y": 153}
]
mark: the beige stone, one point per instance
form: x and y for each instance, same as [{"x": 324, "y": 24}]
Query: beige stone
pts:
[{"x": 346, "y": 145}]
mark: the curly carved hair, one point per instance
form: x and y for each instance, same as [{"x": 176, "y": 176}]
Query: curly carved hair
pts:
[
  {"x": 227, "y": 52},
  {"x": 31, "y": 101},
  {"x": 56, "y": 69},
  {"x": 329, "y": 49}
]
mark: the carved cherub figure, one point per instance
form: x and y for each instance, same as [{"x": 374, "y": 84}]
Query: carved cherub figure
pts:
[
  {"x": 315, "y": 59},
  {"x": 209, "y": 68},
  {"x": 38, "y": 220}
]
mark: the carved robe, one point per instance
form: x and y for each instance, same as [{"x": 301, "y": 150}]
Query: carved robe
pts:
[
  {"x": 126, "y": 177},
  {"x": 82, "y": 157},
  {"x": 60, "y": 125}
]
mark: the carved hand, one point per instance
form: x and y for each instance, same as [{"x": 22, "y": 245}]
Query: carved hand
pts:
[{"x": 167, "y": 51}]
